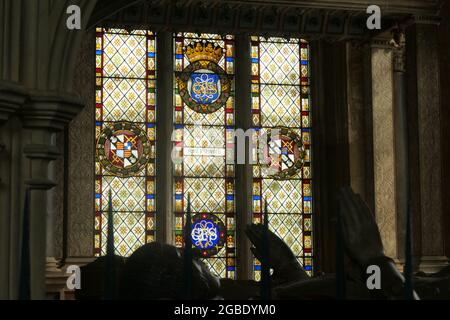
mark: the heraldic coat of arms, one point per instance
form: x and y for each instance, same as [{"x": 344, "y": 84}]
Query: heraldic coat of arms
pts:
[
  {"x": 203, "y": 85},
  {"x": 123, "y": 149}
]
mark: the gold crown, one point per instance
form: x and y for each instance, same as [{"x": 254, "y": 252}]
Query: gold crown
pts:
[{"x": 196, "y": 51}]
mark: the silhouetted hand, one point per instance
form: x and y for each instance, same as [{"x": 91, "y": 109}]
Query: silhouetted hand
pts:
[
  {"x": 359, "y": 229},
  {"x": 281, "y": 258}
]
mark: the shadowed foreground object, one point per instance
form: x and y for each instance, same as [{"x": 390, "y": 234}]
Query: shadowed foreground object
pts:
[
  {"x": 409, "y": 288},
  {"x": 93, "y": 278},
  {"x": 340, "y": 260},
  {"x": 110, "y": 283},
  {"x": 187, "y": 256},
  {"x": 156, "y": 271},
  {"x": 102, "y": 276},
  {"x": 25, "y": 284},
  {"x": 265, "y": 268}
]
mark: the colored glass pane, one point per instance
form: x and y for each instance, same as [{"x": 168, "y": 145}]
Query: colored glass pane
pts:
[
  {"x": 280, "y": 98},
  {"x": 125, "y": 134},
  {"x": 204, "y": 142}
]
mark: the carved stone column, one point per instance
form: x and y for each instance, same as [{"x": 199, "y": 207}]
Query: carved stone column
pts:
[
  {"x": 12, "y": 97},
  {"x": 401, "y": 141},
  {"x": 42, "y": 116},
  {"x": 425, "y": 119}
]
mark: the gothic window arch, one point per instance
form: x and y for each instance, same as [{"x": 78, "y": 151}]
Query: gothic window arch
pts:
[
  {"x": 125, "y": 137},
  {"x": 203, "y": 138},
  {"x": 281, "y": 98},
  {"x": 206, "y": 138}
]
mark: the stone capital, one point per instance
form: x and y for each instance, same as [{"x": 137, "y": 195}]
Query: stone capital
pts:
[
  {"x": 49, "y": 110},
  {"x": 427, "y": 19},
  {"x": 381, "y": 41},
  {"x": 399, "y": 51},
  {"x": 12, "y": 97},
  {"x": 41, "y": 151},
  {"x": 40, "y": 154},
  {"x": 395, "y": 42}
]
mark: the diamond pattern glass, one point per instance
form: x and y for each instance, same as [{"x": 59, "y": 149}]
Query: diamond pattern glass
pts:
[
  {"x": 279, "y": 62},
  {"x": 129, "y": 232},
  {"x": 280, "y": 98},
  {"x": 124, "y": 99},
  {"x": 125, "y": 91},
  {"x": 124, "y": 56},
  {"x": 203, "y": 144},
  {"x": 283, "y": 196},
  {"x": 279, "y": 106}
]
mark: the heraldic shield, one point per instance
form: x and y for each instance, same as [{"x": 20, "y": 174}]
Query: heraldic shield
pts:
[{"x": 203, "y": 85}]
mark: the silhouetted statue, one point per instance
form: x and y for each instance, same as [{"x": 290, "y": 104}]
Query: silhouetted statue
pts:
[{"x": 155, "y": 270}]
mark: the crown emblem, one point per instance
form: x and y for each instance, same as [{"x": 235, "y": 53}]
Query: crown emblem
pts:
[{"x": 205, "y": 50}]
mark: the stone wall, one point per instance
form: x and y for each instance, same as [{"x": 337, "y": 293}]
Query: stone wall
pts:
[
  {"x": 444, "y": 42},
  {"x": 383, "y": 148},
  {"x": 81, "y": 156}
]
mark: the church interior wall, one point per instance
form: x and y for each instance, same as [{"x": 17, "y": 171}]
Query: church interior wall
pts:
[{"x": 354, "y": 126}]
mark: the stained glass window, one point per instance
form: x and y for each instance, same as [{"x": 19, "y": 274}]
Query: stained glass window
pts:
[
  {"x": 125, "y": 138},
  {"x": 281, "y": 98},
  {"x": 204, "y": 140}
]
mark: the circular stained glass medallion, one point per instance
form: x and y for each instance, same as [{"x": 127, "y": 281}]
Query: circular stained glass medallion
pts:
[
  {"x": 207, "y": 234},
  {"x": 123, "y": 149},
  {"x": 284, "y": 153}
]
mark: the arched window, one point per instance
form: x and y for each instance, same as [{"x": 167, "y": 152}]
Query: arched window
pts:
[
  {"x": 206, "y": 140},
  {"x": 125, "y": 135},
  {"x": 202, "y": 142},
  {"x": 280, "y": 98}
]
